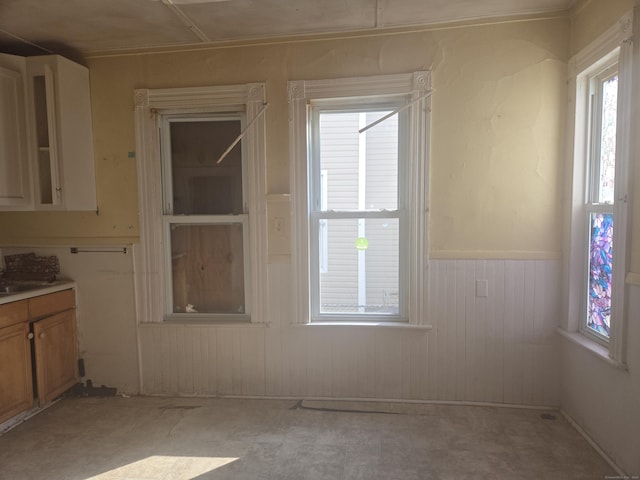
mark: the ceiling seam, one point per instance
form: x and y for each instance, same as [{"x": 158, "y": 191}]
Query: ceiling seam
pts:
[
  {"x": 327, "y": 36},
  {"x": 186, "y": 20}
]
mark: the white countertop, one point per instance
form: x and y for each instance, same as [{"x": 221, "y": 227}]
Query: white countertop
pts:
[{"x": 52, "y": 287}]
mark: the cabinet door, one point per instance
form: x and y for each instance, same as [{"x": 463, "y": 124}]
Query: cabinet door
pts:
[
  {"x": 16, "y": 385},
  {"x": 14, "y": 170},
  {"x": 56, "y": 355},
  {"x": 60, "y": 106}
]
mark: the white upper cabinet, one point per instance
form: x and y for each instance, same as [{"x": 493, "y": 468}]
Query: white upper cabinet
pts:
[
  {"x": 15, "y": 193},
  {"x": 61, "y": 134}
]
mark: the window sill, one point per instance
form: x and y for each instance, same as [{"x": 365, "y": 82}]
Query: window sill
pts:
[
  {"x": 598, "y": 350},
  {"x": 244, "y": 322},
  {"x": 397, "y": 325}
]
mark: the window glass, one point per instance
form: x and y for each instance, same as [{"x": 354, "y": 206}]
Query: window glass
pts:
[
  {"x": 363, "y": 270},
  {"x": 205, "y": 215},
  {"x": 201, "y": 186},
  {"x": 207, "y": 264},
  {"x": 600, "y": 270},
  {"x": 607, "y": 153},
  {"x": 600, "y": 208},
  {"x": 362, "y": 167},
  {"x": 357, "y": 255}
]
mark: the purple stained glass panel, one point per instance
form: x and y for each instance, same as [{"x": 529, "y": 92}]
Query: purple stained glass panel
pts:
[{"x": 600, "y": 268}]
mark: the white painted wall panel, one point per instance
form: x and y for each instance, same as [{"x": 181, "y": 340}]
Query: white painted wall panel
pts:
[{"x": 500, "y": 348}]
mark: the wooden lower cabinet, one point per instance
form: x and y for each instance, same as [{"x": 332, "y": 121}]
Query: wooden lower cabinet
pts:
[
  {"x": 16, "y": 380},
  {"x": 51, "y": 321},
  {"x": 56, "y": 354}
]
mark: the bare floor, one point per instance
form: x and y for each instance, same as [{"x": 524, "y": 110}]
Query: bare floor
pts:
[{"x": 146, "y": 438}]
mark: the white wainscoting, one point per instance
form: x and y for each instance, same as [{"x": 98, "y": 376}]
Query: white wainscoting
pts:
[{"x": 500, "y": 348}]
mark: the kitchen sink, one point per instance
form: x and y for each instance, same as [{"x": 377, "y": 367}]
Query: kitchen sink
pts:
[{"x": 11, "y": 288}]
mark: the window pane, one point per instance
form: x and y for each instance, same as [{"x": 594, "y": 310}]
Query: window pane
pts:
[
  {"x": 361, "y": 169},
  {"x": 362, "y": 267},
  {"x": 200, "y": 185},
  {"x": 208, "y": 268},
  {"x": 607, "y": 166},
  {"x": 600, "y": 267}
]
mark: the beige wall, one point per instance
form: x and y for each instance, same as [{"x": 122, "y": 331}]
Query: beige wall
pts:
[{"x": 497, "y": 124}]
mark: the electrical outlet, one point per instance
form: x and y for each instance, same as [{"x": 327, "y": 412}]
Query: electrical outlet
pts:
[{"x": 482, "y": 288}]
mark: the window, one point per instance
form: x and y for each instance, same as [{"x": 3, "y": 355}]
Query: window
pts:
[
  {"x": 202, "y": 253},
  {"x": 356, "y": 259},
  {"x": 596, "y": 262},
  {"x": 205, "y": 214},
  {"x": 360, "y": 177},
  {"x": 601, "y": 159}
]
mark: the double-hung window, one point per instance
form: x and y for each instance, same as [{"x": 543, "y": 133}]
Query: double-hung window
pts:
[
  {"x": 358, "y": 214},
  {"x": 201, "y": 170},
  {"x": 360, "y": 177},
  {"x": 600, "y": 198},
  {"x": 205, "y": 215},
  {"x": 600, "y": 79}
]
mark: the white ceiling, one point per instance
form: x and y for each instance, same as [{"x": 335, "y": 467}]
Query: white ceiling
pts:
[{"x": 82, "y": 27}]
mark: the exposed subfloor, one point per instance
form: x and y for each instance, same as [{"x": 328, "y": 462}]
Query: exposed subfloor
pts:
[{"x": 194, "y": 438}]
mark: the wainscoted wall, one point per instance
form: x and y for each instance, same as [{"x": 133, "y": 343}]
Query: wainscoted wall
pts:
[
  {"x": 499, "y": 348},
  {"x": 603, "y": 400}
]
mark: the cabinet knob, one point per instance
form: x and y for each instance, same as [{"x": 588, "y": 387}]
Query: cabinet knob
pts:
[
  {"x": 42, "y": 335},
  {"x": 30, "y": 336}
]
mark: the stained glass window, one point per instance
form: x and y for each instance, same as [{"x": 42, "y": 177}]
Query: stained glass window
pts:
[
  {"x": 602, "y": 166},
  {"x": 600, "y": 268}
]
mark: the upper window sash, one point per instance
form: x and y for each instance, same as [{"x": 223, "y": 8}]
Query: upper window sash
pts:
[
  {"x": 317, "y": 190},
  {"x": 170, "y": 118},
  {"x": 601, "y": 86}
]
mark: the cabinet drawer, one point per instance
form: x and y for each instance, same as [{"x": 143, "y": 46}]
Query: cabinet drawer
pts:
[
  {"x": 14, "y": 312},
  {"x": 49, "y": 304}
]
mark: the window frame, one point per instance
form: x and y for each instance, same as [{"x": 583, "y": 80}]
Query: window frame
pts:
[
  {"x": 169, "y": 218},
  {"x": 613, "y": 46},
  {"x": 151, "y": 271},
  {"x": 318, "y": 212},
  {"x": 409, "y": 90},
  {"x": 593, "y": 78}
]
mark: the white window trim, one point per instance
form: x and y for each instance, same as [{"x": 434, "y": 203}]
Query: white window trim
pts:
[
  {"x": 149, "y": 256},
  {"x": 412, "y": 86},
  {"x": 616, "y": 41}
]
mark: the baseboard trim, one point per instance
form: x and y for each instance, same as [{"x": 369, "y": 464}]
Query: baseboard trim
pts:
[
  {"x": 593, "y": 443},
  {"x": 357, "y": 399}
]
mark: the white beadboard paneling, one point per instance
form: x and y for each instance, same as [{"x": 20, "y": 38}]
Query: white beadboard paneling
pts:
[
  {"x": 494, "y": 315},
  {"x": 319, "y": 360},
  {"x": 273, "y": 362},
  {"x": 352, "y": 366},
  {"x": 252, "y": 361},
  {"x": 500, "y": 348},
  {"x": 228, "y": 361},
  {"x": 389, "y": 365}
]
